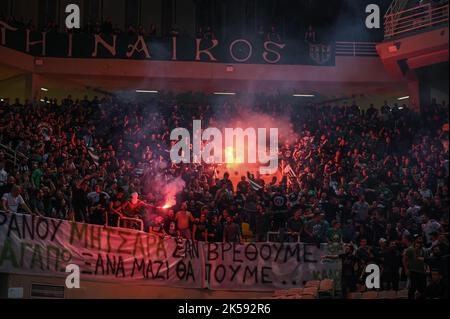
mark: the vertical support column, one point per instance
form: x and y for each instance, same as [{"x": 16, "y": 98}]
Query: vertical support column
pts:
[
  {"x": 425, "y": 95},
  {"x": 414, "y": 91},
  {"x": 33, "y": 86},
  {"x": 414, "y": 95}
]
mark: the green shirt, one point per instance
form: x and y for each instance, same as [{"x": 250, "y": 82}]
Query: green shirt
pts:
[
  {"x": 334, "y": 235},
  {"x": 36, "y": 177}
]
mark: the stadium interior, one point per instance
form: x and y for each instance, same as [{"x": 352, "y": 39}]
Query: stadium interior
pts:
[{"x": 85, "y": 136}]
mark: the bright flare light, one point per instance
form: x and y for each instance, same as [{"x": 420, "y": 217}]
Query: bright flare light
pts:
[
  {"x": 231, "y": 160},
  {"x": 169, "y": 203},
  {"x": 229, "y": 155}
]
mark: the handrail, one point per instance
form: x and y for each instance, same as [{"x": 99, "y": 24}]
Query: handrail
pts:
[
  {"x": 419, "y": 17},
  {"x": 278, "y": 233},
  {"x": 426, "y": 5},
  {"x": 433, "y": 12},
  {"x": 415, "y": 25},
  {"x": 356, "y": 48},
  {"x": 395, "y": 7},
  {"x": 129, "y": 221},
  {"x": 12, "y": 154}
]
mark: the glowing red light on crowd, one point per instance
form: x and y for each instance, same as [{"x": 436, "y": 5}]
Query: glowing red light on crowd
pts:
[{"x": 169, "y": 203}]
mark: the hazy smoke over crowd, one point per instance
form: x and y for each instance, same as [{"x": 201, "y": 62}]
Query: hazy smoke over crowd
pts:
[
  {"x": 247, "y": 118},
  {"x": 161, "y": 186},
  {"x": 244, "y": 116},
  {"x": 170, "y": 190}
]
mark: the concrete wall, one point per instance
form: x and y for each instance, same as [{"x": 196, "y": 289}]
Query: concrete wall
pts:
[
  {"x": 428, "y": 47},
  {"x": 99, "y": 289},
  {"x": 347, "y": 70}
]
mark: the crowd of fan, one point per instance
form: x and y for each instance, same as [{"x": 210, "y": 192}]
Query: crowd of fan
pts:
[{"x": 375, "y": 180}]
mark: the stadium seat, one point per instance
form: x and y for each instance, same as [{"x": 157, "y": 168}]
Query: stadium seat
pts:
[
  {"x": 402, "y": 294},
  {"x": 306, "y": 296},
  {"x": 354, "y": 295},
  {"x": 282, "y": 292},
  {"x": 298, "y": 291},
  {"x": 247, "y": 234},
  {"x": 312, "y": 283},
  {"x": 310, "y": 291},
  {"x": 326, "y": 289},
  {"x": 387, "y": 294},
  {"x": 326, "y": 285},
  {"x": 370, "y": 295}
]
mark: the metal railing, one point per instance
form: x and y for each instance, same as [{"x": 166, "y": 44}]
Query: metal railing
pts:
[
  {"x": 356, "y": 49},
  {"x": 277, "y": 236},
  {"x": 133, "y": 223},
  {"x": 416, "y": 18},
  {"x": 11, "y": 155},
  {"x": 395, "y": 7}
]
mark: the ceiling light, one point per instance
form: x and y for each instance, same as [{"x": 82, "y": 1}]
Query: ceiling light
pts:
[
  {"x": 224, "y": 93},
  {"x": 146, "y": 91}
]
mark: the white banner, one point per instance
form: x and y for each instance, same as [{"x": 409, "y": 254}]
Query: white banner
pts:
[
  {"x": 45, "y": 246},
  {"x": 267, "y": 266},
  {"x": 39, "y": 245}
]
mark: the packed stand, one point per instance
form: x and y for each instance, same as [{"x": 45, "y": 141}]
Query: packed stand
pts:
[{"x": 373, "y": 180}]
